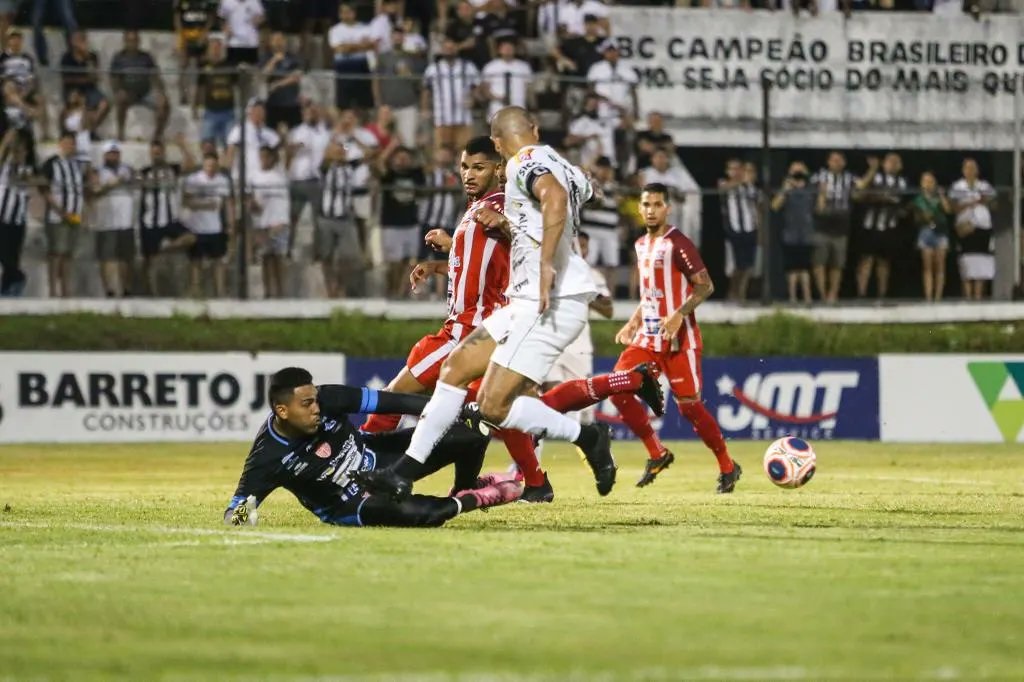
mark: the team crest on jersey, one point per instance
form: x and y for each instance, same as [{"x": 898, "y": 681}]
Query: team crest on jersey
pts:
[
  {"x": 524, "y": 155},
  {"x": 323, "y": 451},
  {"x": 456, "y": 262}
]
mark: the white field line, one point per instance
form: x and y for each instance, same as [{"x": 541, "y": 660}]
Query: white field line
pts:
[{"x": 238, "y": 536}]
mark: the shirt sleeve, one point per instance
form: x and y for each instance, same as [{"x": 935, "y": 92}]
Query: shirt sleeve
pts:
[
  {"x": 685, "y": 256},
  {"x": 337, "y": 401},
  {"x": 235, "y": 136}
]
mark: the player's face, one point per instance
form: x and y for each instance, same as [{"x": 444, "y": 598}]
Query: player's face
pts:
[
  {"x": 479, "y": 174},
  {"x": 302, "y": 412},
  {"x": 653, "y": 210}
]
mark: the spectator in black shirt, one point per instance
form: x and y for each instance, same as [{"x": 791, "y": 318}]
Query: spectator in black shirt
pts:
[
  {"x": 216, "y": 91},
  {"x": 651, "y": 140},
  {"x": 468, "y": 35},
  {"x": 399, "y": 219},
  {"x": 20, "y": 89},
  {"x": 881, "y": 231},
  {"x": 193, "y": 20},
  {"x": 80, "y": 71},
  {"x": 283, "y": 72},
  {"x": 136, "y": 81},
  {"x": 576, "y": 54}
]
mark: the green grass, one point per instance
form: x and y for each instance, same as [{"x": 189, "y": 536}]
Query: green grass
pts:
[
  {"x": 895, "y": 562},
  {"x": 358, "y": 335}
]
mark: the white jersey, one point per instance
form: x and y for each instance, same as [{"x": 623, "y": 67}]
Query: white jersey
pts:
[
  {"x": 270, "y": 189},
  {"x": 572, "y": 274}
]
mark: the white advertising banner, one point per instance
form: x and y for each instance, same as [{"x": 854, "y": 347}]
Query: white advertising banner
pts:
[
  {"x": 133, "y": 397},
  {"x": 874, "y": 80},
  {"x": 952, "y": 398}
]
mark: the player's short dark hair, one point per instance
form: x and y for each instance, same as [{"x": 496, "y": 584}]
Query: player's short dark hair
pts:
[
  {"x": 482, "y": 144},
  {"x": 603, "y": 162},
  {"x": 657, "y": 188},
  {"x": 65, "y": 134},
  {"x": 284, "y": 382}
]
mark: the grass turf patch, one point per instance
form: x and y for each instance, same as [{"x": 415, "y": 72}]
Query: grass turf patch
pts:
[
  {"x": 362, "y": 336},
  {"x": 895, "y": 561}
]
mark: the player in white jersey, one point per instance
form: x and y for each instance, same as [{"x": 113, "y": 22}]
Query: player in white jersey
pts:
[{"x": 549, "y": 292}]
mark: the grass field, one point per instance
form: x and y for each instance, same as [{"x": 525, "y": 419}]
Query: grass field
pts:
[{"x": 895, "y": 562}]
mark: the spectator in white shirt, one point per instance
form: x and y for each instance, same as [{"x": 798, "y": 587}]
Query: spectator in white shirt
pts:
[
  {"x": 590, "y": 135},
  {"x": 388, "y": 18},
  {"x": 115, "y": 221},
  {"x": 242, "y": 20},
  {"x": 257, "y": 134},
  {"x": 353, "y": 43},
  {"x": 506, "y": 79},
  {"x": 973, "y": 200},
  {"x": 305, "y": 152},
  {"x": 268, "y": 201},
  {"x": 360, "y": 144},
  {"x": 211, "y": 218},
  {"x": 451, "y": 84},
  {"x": 615, "y": 84},
  {"x": 571, "y": 12},
  {"x": 685, "y": 191}
]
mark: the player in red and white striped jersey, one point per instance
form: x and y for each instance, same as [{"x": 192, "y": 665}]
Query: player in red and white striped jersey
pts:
[
  {"x": 477, "y": 269},
  {"x": 663, "y": 330}
]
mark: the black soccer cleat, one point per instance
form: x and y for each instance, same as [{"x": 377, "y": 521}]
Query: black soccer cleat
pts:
[
  {"x": 538, "y": 494},
  {"x": 654, "y": 467},
  {"x": 471, "y": 417},
  {"x": 650, "y": 389},
  {"x": 727, "y": 482},
  {"x": 383, "y": 482},
  {"x": 599, "y": 457}
]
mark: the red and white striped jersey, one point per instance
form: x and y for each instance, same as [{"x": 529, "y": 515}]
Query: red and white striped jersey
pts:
[
  {"x": 666, "y": 264},
  {"x": 478, "y": 267}
]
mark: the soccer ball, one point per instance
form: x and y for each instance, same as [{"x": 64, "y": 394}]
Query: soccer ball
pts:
[{"x": 790, "y": 462}]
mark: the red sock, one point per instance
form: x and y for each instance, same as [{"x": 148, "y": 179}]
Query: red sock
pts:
[
  {"x": 580, "y": 394},
  {"x": 520, "y": 448},
  {"x": 381, "y": 423},
  {"x": 705, "y": 426},
  {"x": 634, "y": 413}
]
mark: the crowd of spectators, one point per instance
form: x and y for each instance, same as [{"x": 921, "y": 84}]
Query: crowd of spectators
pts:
[{"x": 373, "y": 150}]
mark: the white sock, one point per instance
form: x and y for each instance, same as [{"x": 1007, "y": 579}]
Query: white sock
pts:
[
  {"x": 533, "y": 416},
  {"x": 458, "y": 505},
  {"x": 438, "y": 416}
]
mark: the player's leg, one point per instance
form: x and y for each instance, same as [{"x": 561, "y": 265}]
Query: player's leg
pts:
[
  {"x": 462, "y": 448},
  {"x": 684, "y": 372},
  {"x": 521, "y": 361},
  {"x": 579, "y": 394},
  {"x": 864, "y": 275},
  {"x": 634, "y": 415},
  {"x": 426, "y": 511},
  {"x": 420, "y": 374}
]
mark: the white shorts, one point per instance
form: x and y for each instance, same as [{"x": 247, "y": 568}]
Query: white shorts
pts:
[
  {"x": 571, "y": 365},
  {"x": 977, "y": 266},
  {"x": 604, "y": 247},
  {"x": 528, "y": 343}
]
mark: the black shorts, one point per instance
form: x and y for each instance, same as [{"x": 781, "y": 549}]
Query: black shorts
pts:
[
  {"x": 744, "y": 249},
  {"x": 883, "y": 244},
  {"x": 290, "y": 116},
  {"x": 243, "y": 55},
  {"x": 796, "y": 257},
  {"x": 209, "y": 247},
  {"x": 151, "y": 238}
]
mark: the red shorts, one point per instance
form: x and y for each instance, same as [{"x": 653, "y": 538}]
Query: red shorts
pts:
[
  {"x": 681, "y": 367},
  {"x": 427, "y": 356}
]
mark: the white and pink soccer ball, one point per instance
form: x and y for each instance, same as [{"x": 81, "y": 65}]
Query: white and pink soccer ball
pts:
[{"x": 790, "y": 462}]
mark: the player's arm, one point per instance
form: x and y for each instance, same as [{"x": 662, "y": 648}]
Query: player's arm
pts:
[
  {"x": 337, "y": 400},
  {"x": 554, "y": 209},
  {"x": 603, "y": 306},
  {"x": 629, "y": 329}
]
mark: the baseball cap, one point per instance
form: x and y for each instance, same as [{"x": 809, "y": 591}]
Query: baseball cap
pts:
[
  {"x": 608, "y": 44},
  {"x": 111, "y": 146}
]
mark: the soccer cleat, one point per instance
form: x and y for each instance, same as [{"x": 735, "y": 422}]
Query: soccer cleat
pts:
[
  {"x": 244, "y": 514},
  {"x": 499, "y": 493},
  {"x": 727, "y": 482},
  {"x": 600, "y": 459},
  {"x": 654, "y": 467},
  {"x": 384, "y": 482},
  {"x": 650, "y": 389},
  {"x": 538, "y": 494}
]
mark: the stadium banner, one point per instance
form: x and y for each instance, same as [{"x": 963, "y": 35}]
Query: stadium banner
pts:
[
  {"x": 752, "y": 398},
  {"x": 952, "y": 398},
  {"x": 873, "y": 80},
  {"x": 134, "y": 397}
]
